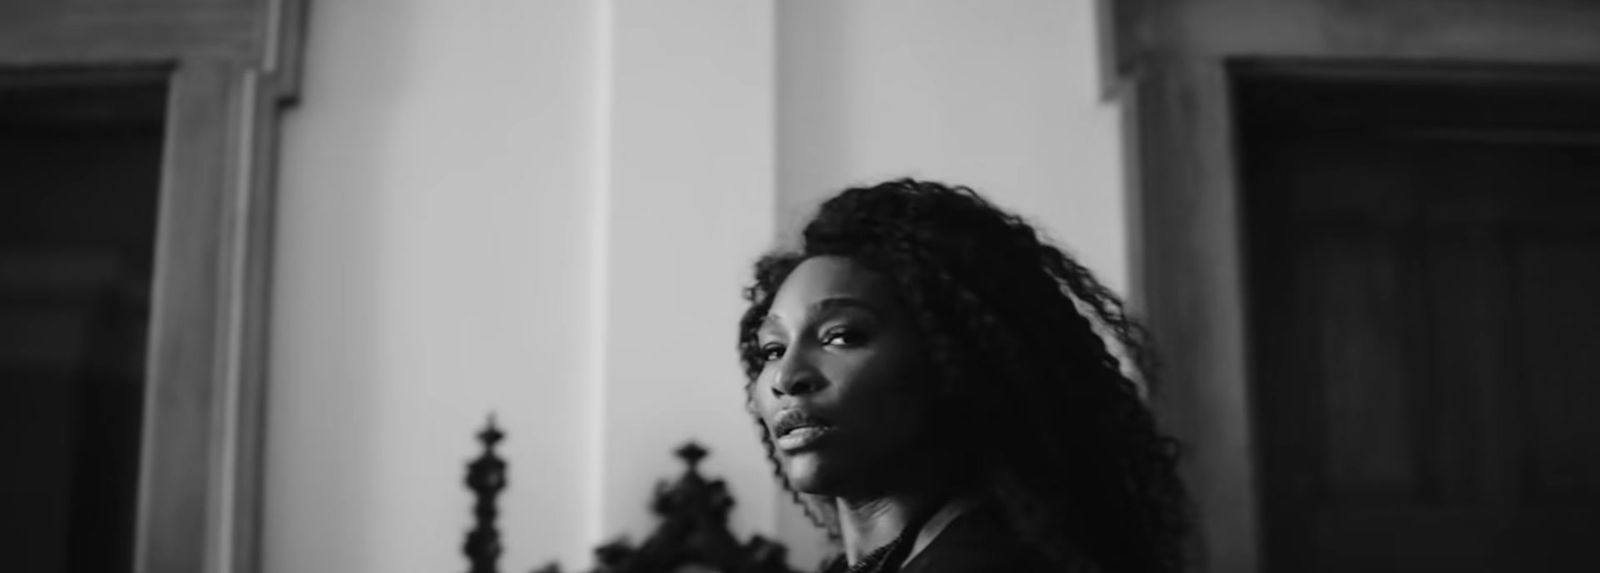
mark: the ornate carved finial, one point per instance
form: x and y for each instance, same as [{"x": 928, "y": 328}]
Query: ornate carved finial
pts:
[
  {"x": 691, "y": 453},
  {"x": 491, "y": 434},
  {"x": 486, "y": 477},
  {"x": 692, "y": 535},
  {"x": 613, "y": 556}
]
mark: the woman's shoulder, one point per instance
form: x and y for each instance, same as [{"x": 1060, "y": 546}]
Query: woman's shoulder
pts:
[{"x": 977, "y": 541}]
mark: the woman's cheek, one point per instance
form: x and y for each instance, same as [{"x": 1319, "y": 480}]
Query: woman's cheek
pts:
[{"x": 757, "y": 396}]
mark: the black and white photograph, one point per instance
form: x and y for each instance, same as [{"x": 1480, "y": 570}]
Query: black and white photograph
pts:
[{"x": 799, "y": 286}]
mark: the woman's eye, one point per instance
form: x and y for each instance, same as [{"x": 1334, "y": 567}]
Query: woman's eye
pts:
[
  {"x": 771, "y": 352},
  {"x": 844, "y": 337}
]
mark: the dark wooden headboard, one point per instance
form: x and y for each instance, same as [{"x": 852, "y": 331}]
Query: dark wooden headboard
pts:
[{"x": 692, "y": 535}]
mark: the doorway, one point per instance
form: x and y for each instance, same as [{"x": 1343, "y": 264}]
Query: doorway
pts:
[
  {"x": 80, "y": 176},
  {"x": 1422, "y": 261},
  {"x": 137, "y": 148}
]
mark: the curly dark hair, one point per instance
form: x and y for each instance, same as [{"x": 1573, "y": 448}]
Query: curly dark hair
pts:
[{"x": 1016, "y": 331}]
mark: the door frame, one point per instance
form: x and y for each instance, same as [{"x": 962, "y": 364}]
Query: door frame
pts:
[
  {"x": 231, "y": 68},
  {"x": 1189, "y": 278}
]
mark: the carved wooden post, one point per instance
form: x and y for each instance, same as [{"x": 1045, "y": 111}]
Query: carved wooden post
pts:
[{"x": 486, "y": 476}]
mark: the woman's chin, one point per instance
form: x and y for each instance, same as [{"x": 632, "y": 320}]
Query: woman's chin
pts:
[{"x": 807, "y": 474}]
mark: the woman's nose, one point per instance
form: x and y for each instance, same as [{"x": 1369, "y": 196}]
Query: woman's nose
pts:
[{"x": 796, "y": 377}]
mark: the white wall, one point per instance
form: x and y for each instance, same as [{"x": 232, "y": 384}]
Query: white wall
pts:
[
  {"x": 692, "y": 206},
  {"x": 433, "y": 262},
  {"x": 544, "y": 209},
  {"x": 1002, "y": 96},
  {"x": 548, "y": 209}
]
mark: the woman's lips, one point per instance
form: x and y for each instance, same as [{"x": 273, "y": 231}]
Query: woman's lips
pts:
[
  {"x": 795, "y": 429},
  {"x": 802, "y": 438}
]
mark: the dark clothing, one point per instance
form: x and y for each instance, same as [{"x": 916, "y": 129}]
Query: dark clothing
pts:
[{"x": 976, "y": 541}]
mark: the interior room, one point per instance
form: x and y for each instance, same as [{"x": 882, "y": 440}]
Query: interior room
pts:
[{"x": 293, "y": 285}]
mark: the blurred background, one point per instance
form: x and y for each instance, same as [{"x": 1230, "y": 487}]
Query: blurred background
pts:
[{"x": 266, "y": 266}]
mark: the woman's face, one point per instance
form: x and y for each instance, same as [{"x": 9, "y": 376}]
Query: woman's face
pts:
[{"x": 839, "y": 390}]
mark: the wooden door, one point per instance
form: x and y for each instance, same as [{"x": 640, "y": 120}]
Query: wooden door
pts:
[
  {"x": 80, "y": 166},
  {"x": 1426, "y": 294},
  {"x": 223, "y": 70},
  {"x": 1192, "y": 274}
]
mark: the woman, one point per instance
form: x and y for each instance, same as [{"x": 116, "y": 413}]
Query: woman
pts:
[{"x": 930, "y": 384}]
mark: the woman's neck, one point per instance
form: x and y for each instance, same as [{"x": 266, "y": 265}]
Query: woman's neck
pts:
[
  {"x": 868, "y": 523},
  {"x": 874, "y": 517}
]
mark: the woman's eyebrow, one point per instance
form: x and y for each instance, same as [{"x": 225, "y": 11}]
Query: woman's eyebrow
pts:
[
  {"x": 771, "y": 322},
  {"x": 841, "y": 302},
  {"x": 769, "y": 325}
]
